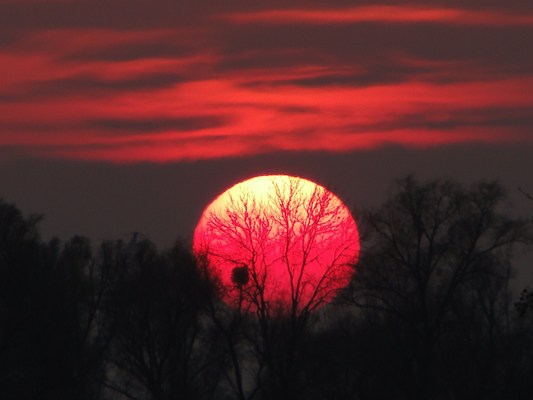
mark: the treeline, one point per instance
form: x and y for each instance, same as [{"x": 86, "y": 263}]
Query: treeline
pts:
[{"x": 429, "y": 314}]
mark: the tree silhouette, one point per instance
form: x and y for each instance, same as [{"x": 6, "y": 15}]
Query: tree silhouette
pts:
[
  {"x": 280, "y": 257},
  {"x": 85, "y": 284},
  {"x": 525, "y": 303},
  {"x": 294, "y": 246},
  {"x": 436, "y": 265},
  {"x": 48, "y": 346},
  {"x": 153, "y": 313},
  {"x": 428, "y": 313}
]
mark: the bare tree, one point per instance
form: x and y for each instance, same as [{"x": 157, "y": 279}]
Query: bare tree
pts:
[
  {"x": 154, "y": 315},
  {"x": 50, "y": 343},
  {"x": 525, "y": 303},
  {"x": 280, "y": 256},
  {"x": 437, "y": 262},
  {"x": 86, "y": 284},
  {"x": 286, "y": 252}
]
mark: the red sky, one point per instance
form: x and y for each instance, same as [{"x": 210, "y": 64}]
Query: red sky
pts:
[{"x": 132, "y": 81}]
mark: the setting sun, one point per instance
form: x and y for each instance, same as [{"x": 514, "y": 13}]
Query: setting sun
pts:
[{"x": 278, "y": 243}]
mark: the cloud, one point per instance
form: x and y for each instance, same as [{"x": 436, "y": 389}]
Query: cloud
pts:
[
  {"x": 239, "y": 80},
  {"x": 381, "y": 14},
  {"x": 216, "y": 118}
]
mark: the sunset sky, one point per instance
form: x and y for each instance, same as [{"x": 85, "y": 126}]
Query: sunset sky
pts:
[{"x": 127, "y": 115}]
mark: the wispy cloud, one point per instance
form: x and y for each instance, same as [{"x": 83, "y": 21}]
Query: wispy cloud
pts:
[
  {"x": 381, "y": 14},
  {"x": 230, "y": 83},
  {"x": 217, "y": 118}
]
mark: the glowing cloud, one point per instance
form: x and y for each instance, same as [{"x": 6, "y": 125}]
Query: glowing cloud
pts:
[
  {"x": 382, "y": 14},
  {"x": 320, "y": 80}
]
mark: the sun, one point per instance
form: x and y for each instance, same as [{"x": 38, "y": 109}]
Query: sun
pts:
[{"x": 277, "y": 242}]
